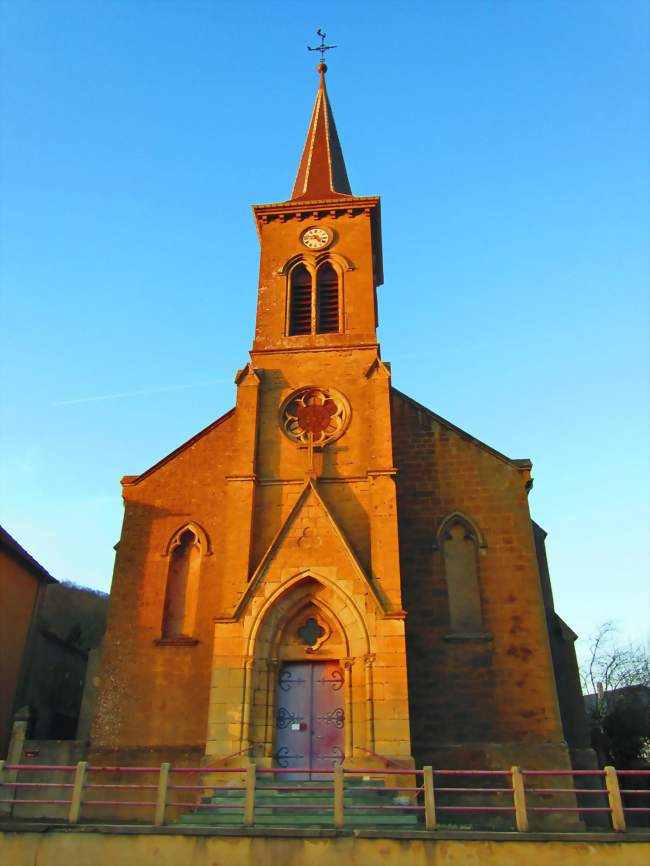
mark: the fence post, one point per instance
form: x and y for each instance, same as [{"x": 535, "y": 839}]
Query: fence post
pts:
[
  {"x": 4, "y": 807},
  {"x": 339, "y": 809},
  {"x": 615, "y": 800},
  {"x": 161, "y": 796},
  {"x": 77, "y": 792},
  {"x": 519, "y": 797},
  {"x": 8, "y": 793},
  {"x": 429, "y": 799},
  {"x": 249, "y": 796},
  {"x": 14, "y": 755}
]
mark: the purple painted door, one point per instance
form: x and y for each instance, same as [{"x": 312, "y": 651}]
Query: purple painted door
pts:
[{"x": 310, "y": 719}]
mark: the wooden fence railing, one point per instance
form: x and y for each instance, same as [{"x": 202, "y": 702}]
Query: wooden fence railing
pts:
[{"x": 79, "y": 792}]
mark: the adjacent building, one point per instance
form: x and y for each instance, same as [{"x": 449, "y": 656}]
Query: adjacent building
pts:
[{"x": 47, "y": 631}]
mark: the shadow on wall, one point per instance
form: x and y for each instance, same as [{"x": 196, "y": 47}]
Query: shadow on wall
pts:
[{"x": 69, "y": 625}]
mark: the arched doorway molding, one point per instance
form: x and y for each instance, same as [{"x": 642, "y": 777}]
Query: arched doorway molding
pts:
[
  {"x": 303, "y": 603},
  {"x": 265, "y": 622},
  {"x": 264, "y": 636}
]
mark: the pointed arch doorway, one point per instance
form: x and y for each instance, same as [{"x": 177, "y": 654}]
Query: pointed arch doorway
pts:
[
  {"x": 308, "y": 695},
  {"x": 310, "y": 716}
]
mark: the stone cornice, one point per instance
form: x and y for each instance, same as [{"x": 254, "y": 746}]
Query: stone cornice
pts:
[
  {"x": 290, "y": 350},
  {"x": 317, "y": 208}
]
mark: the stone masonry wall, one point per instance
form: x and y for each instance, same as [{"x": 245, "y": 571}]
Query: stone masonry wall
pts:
[
  {"x": 153, "y": 694},
  {"x": 493, "y": 688}
]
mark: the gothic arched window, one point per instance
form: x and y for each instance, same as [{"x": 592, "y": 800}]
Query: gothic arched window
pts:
[
  {"x": 300, "y": 301},
  {"x": 327, "y": 300},
  {"x": 181, "y": 593},
  {"x": 460, "y": 541},
  {"x": 314, "y": 305}
]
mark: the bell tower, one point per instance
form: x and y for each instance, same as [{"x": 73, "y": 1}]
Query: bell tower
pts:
[
  {"x": 311, "y": 499},
  {"x": 257, "y": 597},
  {"x": 321, "y": 257}
]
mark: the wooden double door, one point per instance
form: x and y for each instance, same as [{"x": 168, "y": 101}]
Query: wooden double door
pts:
[{"x": 310, "y": 717}]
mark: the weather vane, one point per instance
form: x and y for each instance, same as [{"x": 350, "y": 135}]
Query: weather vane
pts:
[{"x": 322, "y": 47}]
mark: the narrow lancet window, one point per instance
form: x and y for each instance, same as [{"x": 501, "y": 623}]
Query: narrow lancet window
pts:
[
  {"x": 182, "y": 586},
  {"x": 327, "y": 297},
  {"x": 460, "y": 551},
  {"x": 300, "y": 318}
]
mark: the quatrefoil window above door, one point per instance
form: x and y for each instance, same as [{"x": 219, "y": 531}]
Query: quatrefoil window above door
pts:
[{"x": 313, "y": 633}]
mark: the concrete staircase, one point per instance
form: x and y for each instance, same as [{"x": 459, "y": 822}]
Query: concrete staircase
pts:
[{"x": 274, "y": 808}]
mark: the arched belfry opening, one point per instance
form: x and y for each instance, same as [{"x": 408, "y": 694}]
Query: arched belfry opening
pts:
[
  {"x": 314, "y": 299},
  {"x": 300, "y": 301},
  {"x": 308, "y": 694},
  {"x": 327, "y": 300}
]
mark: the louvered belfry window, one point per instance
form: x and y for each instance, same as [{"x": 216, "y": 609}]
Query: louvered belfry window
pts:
[
  {"x": 303, "y": 318},
  {"x": 327, "y": 300},
  {"x": 300, "y": 304}
]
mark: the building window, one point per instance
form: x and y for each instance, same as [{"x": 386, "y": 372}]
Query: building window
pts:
[
  {"x": 327, "y": 299},
  {"x": 182, "y": 585},
  {"x": 314, "y": 309},
  {"x": 300, "y": 318},
  {"x": 459, "y": 542}
]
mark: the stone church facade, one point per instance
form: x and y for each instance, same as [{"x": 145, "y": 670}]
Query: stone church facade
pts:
[{"x": 331, "y": 573}]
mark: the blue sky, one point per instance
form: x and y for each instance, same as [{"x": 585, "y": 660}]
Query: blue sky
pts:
[{"x": 508, "y": 141}]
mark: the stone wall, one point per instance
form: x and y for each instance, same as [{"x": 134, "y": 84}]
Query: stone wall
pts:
[
  {"x": 153, "y": 694},
  {"x": 108, "y": 846},
  {"x": 492, "y": 687}
]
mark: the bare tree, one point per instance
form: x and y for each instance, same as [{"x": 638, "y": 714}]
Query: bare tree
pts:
[
  {"x": 610, "y": 665},
  {"x": 617, "y": 678}
]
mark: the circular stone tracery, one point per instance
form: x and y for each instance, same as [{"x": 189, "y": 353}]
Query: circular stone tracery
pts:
[{"x": 321, "y": 413}]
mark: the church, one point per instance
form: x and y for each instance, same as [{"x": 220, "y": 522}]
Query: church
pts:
[{"x": 331, "y": 573}]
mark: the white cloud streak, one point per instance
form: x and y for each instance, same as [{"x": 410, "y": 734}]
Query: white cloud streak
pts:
[{"x": 139, "y": 393}]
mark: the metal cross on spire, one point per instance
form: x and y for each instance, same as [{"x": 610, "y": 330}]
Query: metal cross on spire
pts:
[{"x": 322, "y": 47}]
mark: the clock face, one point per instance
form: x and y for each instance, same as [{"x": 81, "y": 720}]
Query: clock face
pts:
[{"x": 315, "y": 238}]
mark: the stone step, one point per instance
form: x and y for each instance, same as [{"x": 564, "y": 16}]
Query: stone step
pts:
[
  {"x": 286, "y": 813},
  {"x": 350, "y": 782},
  {"x": 290, "y": 807},
  {"x": 277, "y": 807},
  {"x": 325, "y": 798},
  {"x": 315, "y": 797},
  {"x": 305, "y": 787},
  {"x": 358, "y": 819}
]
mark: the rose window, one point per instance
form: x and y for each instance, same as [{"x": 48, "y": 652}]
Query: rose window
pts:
[{"x": 319, "y": 414}]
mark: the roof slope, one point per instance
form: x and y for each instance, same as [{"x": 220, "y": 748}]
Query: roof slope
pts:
[
  {"x": 135, "y": 479},
  {"x": 524, "y": 463},
  {"x": 9, "y": 543}
]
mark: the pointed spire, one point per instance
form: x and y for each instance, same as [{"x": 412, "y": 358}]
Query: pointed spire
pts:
[{"x": 322, "y": 173}]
